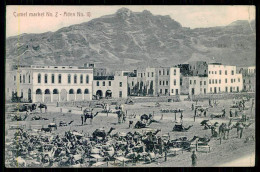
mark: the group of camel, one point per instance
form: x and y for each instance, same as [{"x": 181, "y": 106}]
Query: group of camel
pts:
[{"x": 225, "y": 128}]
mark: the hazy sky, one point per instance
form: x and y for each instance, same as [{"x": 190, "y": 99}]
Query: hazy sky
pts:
[{"x": 188, "y": 16}]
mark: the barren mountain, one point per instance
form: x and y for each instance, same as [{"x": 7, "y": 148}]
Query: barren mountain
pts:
[{"x": 126, "y": 40}]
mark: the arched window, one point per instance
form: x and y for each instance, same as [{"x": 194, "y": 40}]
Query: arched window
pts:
[
  {"x": 79, "y": 91},
  {"x": 86, "y": 91},
  {"x": 20, "y": 78},
  {"x": 97, "y": 83},
  {"x": 38, "y": 91},
  {"x": 69, "y": 78},
  {"x": 104, "y": 83},
  {"x": 81, "y": 79},
  {"x": 47, "y": 91},
  {"x": 45, "y": 78},
  {"x": 59, "y": 78},
  {"x": 87, "y": 79},
  {"x": 39, "y": 78},
  {"x": 23, "y": 78},
  {"x": 29, "y": 79},
  {"x": 55, "y": 91},
  {"x": 75, "y": 79},
  {"x": 71, "y": 91}
]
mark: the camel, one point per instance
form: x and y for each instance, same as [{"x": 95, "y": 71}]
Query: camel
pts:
[
  {"x": 52, "y": 125},
  {"x": 38, "y": 118},
  {"x": 140, "y": 124},
  {"x": 224, "y": 129},
  {"x": 147, "y": 118},
  {"x": 180, "y": 127},
  {"x": 102, "y": 133},
  {"x": 217, "y": 115},
  {"x": 202, "y": 141},
  {"x": 240, "y": 127},
  {"x": 207, "y": 124},
  {"x": 46, "y": 129},
  {"x": 19, "y": 117},
  {"x": 89, "y": 115},
  {"x": 62, "y": 123}
]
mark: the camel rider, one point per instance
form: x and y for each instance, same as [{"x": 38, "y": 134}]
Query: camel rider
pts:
[{"x": 194, "y": 159}]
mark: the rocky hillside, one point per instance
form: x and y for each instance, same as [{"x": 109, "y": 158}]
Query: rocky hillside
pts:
[{"x": 128, "y": 39}]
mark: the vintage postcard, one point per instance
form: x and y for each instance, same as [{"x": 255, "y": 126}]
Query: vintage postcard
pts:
[{"x": 130, "y": 86}]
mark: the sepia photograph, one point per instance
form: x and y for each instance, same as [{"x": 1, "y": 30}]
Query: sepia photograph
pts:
[{"x": 130, "y": 86}]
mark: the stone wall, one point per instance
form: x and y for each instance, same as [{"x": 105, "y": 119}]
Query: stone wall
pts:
[
  {"x": 223, "y": 96},
  {"x": 121, "y": 101}
]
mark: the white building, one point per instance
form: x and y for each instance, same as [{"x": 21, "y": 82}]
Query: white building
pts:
[
  {"x": 110, "y": 86},
  {"x": 174, "y": 81},
  {"x": 223, "y": 78},
  {"x": 52, "y": 83},
  {"x": 197, "y": 85}
]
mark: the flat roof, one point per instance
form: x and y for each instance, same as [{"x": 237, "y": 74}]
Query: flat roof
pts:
[{"x": 103, "y": 78}]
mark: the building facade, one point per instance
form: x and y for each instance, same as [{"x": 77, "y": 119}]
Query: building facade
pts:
[
  {"x": 198, "y": 68},
  {"x": 157, "y": 81},
  {"x": 52, "y": 83},
  {"x": 110, "y": 87},
  {"x": 249, "y": 78},
  {"x": 223, "y": 78},
  {"x": 197, "y": 85}
]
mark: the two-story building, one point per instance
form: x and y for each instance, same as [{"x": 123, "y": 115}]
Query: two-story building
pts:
[
  {"x": 52, "y": 83},
  {"x": 110, "y": 86}
]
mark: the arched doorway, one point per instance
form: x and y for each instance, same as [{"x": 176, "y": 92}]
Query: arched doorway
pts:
[
  {"x": 38, "y": 95},
  {"x": 99, "y": 94},
  {"x": 86, "y": 94},
  {"x": 63, "y": 95},
  {"x": 79, "y": 95},
  {"x": 71, "y": 95},
  {"x": 47, "y": 96},
  {"x": 29, "y": 95},
  {"x": 108, "y": 94},
  {"x": 55, "y": 96}
]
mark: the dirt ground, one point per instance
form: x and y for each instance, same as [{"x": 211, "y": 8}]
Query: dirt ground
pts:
[{"x": 230, "y": 150}]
